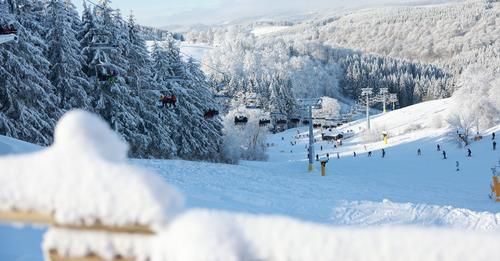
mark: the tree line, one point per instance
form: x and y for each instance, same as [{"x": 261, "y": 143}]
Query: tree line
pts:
[{"x": 100, "y": 62}]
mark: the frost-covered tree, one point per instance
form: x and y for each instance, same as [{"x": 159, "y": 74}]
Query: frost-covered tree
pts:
[
  {"x": 28, "y": 109},
  {"x": 195, "y": 136},
  {"x": 476, "y": 105},
  {"x": 64, "y": 56},
  {"x": 247, "y": 141}
]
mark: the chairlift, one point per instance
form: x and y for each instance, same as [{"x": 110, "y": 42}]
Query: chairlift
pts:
[
  {"x": 316, "y": 125},
  {"x": 106, "y": 73},
  {"x": 168, "y": 101},
  {"x": 264, "y": 122},
  {"x": 8, "y": 34},
  {"x": 7, "y": 29},
  {"x": 210, "y": 113},
  {"x": 281, "y": 122},
  {"x": 240, "y": 120}
]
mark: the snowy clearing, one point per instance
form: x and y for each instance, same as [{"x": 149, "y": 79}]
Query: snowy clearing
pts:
[{"x": 260, "y": 31}]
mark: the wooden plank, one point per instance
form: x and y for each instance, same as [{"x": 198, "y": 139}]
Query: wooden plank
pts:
[
  {"x": 47, "y": 219},
  {"x": 54, "y": 256}
]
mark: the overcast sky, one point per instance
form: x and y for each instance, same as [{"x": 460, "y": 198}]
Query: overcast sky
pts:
[{"x": 165, "y": 12}]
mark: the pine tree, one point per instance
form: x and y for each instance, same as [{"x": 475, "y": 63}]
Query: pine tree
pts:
[
  {"x": 28, "y": 108},
  {"x": 66, "y": 61}
]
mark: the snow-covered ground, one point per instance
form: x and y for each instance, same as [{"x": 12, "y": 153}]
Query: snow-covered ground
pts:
[
  {"x": 263, "y": 30},
  {"x": 399, "y": 189}
]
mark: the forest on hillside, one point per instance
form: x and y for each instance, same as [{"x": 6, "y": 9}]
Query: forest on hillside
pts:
[
  {"x": 99, "y": 62},
  {"x": 416, "y": 52}
]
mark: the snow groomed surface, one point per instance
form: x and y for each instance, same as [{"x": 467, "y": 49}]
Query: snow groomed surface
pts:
[{"x": 400, "y": 189}]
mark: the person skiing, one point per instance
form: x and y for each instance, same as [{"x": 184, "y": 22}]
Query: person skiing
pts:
[
  {"x": 328, "y": 156},
  {"x": 494, "y": 145},
  {"x": 317, "y": 157},
  {"x": 321, "y": 147},
  {"x": 354, "y": 153},
  {"x": 458, "y": 166},
  {"x": 469, "y": 153},
  {"x": 444, "y": 154},
  {"x": 419, "y": 152},
  {"x": 369, "y": 153},
  {"x": 383, "y": 153},
  {"x": 438, "y": 147},
  {"x": 493, "y": 136},
  {"x": 338, "y": 156}
]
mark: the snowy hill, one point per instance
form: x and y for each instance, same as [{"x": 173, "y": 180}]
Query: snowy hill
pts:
[
  {"x": 400, "y": 189},
  {"x": 453, "y": 34},
  {"x": 13, "y": 146}
]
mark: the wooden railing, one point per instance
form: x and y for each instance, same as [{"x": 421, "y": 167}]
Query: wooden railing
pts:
[{"x": 34, "y": 218}]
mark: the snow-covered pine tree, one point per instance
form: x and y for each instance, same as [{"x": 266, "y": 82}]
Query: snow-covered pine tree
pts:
[
  {"x": 64, "y": 56},
  {"x": 208, "y": 132},
  {"x": 111, "y": 97},
  {"x": 28, "y": 108},
  {"x": 161, "y": 85},
  {"x": 157, "y": 124}
]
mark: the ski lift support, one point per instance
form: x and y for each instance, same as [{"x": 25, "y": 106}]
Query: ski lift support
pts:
[{"x": 310, "y": 103}]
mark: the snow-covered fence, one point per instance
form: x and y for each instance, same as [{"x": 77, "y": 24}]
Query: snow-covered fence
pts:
[{"x": 84, "y": 183}]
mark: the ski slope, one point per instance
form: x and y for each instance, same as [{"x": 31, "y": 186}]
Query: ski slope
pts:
[{"x": 402, "y": 189}]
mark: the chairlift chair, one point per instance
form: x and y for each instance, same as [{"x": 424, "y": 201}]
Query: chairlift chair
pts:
[
  {"x": 211, "y": 113},
  {"x": 168, "y": 100},
  {"x": 8, "y": 34},
  {"x": 7, "y": 29},
  {"x": 240, "y": 120},
  {"x": 106, "y": 73},
  {"x": 281, "y": 122},
  {"x": 264, "y": 122}
]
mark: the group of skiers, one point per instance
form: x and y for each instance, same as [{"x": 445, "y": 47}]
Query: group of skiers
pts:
[{"x": 419, "y": 151}]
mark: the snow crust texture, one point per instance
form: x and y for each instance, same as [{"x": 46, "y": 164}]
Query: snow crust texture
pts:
[
  {"x": 84, "y": 178},
  {"x": 368, "y": 213}
]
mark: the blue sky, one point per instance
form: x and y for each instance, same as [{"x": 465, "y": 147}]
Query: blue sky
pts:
[{"x": 166, "y": 12}]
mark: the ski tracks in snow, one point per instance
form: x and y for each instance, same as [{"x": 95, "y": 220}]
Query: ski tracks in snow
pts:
[{"x": 368, "y": 213}]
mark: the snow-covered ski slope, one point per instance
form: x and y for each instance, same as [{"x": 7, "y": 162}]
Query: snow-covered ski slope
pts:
[
  {"x": 13, "y": 146},
  {"x": 400, "y": 189}
]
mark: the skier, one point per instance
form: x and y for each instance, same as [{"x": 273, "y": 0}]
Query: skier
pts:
[
  {"x": 438, "y": 147},
  {"x": 354, "y": 153},
  {"x": 383, "y": 153},
  {"x": 457, "y": 164},
  {"x": 493, "y": 136},
  {"x": 419, "y": 152},
  {"x": 328, "y": 156},
  {"x": 369, "y": 153},
  {"x": 321, "y": 147},
  {"x": 494, "y": 145},
  {"x": 317, "y": 157},
  {"x": 469, "y": 153},
  {"x": 338, "y": 156},
  {"x": 444, "y": 154}
]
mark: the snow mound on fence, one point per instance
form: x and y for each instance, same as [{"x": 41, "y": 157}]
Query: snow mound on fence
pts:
[
  {"x": 200, "y": 235},
  {"x": 367, "y": 213},
  {"x": 88, "y": 178}
]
